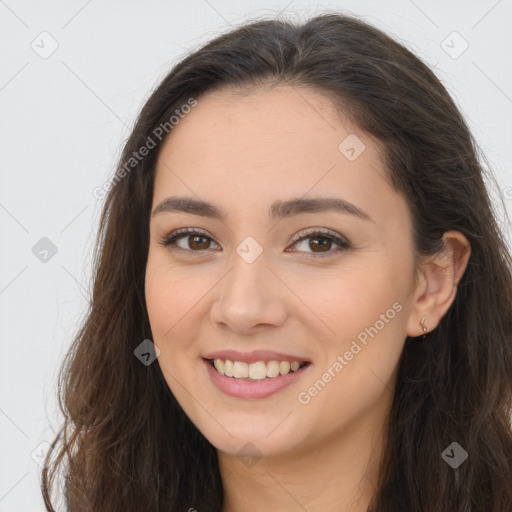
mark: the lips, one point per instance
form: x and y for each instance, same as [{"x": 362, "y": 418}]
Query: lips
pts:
[
  {"x": 246, "y": 388},
  {"x": 255, "y": 356}
]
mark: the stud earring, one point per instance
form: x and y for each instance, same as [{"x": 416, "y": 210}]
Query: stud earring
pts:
[{"x": 423, "y": 326}]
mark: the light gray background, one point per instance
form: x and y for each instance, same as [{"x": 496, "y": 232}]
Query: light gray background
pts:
[{"x": 62, "y": 124}]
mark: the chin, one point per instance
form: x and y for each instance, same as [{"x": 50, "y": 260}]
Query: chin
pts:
[{"x": 262, "y": 440}]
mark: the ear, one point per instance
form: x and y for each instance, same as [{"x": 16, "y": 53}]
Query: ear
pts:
[{"x": 437, "y": 283}]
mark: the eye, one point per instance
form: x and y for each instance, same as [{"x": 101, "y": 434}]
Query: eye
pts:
[
  {"x": 198, "y": 239},
  {"x": 320, "y": 241}
]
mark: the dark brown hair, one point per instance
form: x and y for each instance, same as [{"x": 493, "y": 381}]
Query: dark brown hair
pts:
[{"x": 128, "y": 444}]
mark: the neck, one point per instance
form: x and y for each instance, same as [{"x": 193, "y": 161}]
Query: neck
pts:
[{"x": 341, "y": 474}]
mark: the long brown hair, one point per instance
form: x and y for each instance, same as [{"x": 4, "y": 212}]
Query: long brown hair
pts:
[{"x": 128, "y": 444}]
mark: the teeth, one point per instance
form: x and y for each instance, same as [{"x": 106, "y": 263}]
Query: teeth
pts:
[
  {"x": 255, "y": 371},
  {"x": 284, "y": 367},
  {"x": 272, "y": 368},
  {"x": 258, "y": 371},
  {"x": 219, "y": 365},
  {"x": 228, "y": 368},
  {"x": 240, "y": 370}
]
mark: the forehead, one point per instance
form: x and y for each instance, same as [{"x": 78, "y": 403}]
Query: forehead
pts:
[
  {"x": 243, "y": 130},
  {"x": 286, "y": 141}
]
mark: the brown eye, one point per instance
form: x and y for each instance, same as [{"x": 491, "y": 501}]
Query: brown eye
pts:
[
  {"x": 198, "y": 242},
  {"x": 317, "y": 243},
  {"x": 320, "y": 243},
  {"x": 194, "y": 240}
]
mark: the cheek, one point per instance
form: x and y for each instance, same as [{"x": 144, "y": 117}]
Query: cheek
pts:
[
  {"x": 357, "y": 364},
  {"x": 170, "y": 304},
  {"x": 160, "y": 301},
  {"x": 351, "y": 301},
  {"x": 368, "y": 314},
  {"x": 177, "y": 304},
  {"x": 171, "y": 294},
  {"x": 170, "y": 301}
]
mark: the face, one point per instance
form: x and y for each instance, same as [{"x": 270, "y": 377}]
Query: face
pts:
[{"x": 263, "y": 284}]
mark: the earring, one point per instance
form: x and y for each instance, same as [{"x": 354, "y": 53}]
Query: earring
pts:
[{"x": 423, "y": 326}]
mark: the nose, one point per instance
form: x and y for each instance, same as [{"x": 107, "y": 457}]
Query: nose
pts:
[{"x": 250, "y": 295}]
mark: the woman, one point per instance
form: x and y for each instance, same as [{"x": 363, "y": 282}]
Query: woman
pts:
[{"x": 302, "y": 299}]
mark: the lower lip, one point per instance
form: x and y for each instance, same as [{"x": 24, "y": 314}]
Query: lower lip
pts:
[{"x": 256, "y": 389}]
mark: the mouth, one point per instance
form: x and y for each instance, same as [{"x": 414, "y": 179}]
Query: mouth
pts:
[{"x": 257, "y": 371}]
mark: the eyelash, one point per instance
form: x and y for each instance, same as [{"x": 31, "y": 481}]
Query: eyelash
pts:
[{"x": 342, "y": 243}]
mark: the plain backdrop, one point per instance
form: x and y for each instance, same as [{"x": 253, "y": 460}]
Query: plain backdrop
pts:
[{"x": 73, "y": 77}]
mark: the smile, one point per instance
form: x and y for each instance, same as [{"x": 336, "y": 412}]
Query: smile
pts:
[
  {"x": 256, "y": 371},
  {"x": 256, "y": 380}
]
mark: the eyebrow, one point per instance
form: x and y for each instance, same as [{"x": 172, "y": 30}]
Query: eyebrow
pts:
[{"x": 278, "y": 209}]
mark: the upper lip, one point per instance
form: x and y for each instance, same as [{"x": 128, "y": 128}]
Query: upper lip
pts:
[{"x": 254, "y": 356}]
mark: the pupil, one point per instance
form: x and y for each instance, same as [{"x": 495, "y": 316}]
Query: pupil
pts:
[
  {"x": 323, "y": 242},
  {"x": 192, "y": 245}
]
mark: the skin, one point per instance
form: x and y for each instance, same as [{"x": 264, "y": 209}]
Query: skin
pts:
[{"x": 243, "y": 152}]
